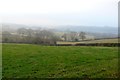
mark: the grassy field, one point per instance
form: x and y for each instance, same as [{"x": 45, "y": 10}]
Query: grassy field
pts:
[
  {"x": 30, "y": 61},
  {"x": 0, "y": 61},
  {"x": 115, "y": 40}
]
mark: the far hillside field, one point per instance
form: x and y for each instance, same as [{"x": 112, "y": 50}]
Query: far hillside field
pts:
[
  {"x": 114, "y": 40},
  {"x": 35, "y": 61}
]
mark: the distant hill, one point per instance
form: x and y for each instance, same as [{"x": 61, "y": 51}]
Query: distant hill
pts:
[
  {"x": 97, "y": 32},
  {"x": 103, "y": 35},
  {"x": 11, "y": 27},
  {"x": 93, "y": 29}
]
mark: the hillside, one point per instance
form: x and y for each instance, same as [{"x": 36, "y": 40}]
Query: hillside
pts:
[
  {"x": 96, "y": 32},
  {"x": 114, "y": 40}
]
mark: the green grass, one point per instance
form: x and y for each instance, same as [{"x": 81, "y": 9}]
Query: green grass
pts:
[
  {"x": 30, "y": 61},
  {"x": 0, "y": 61}
]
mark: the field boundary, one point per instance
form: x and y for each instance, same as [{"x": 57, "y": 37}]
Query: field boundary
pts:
[
  {"x": 78, "y": 44},
  {"x": 92, "y": 44}
]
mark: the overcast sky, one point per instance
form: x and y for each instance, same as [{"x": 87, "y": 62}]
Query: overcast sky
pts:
[{"x": 60, "y": 12}]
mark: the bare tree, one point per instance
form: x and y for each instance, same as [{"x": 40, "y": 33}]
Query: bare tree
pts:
[
  {"x": 24, "y": 35},
  {"x": 6, "y": 36},
  {"x": 45, "y": 37},
  {"x": 82, "y": 35}
]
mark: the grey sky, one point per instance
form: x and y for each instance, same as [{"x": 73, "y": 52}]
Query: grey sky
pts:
[{"x": 60, "y": 12}]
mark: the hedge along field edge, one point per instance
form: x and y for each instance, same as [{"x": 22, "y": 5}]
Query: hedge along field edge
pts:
[{"x": 1, "y": 51}]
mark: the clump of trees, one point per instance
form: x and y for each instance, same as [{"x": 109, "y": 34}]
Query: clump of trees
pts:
[
  {"x": 40, "y": 36},
  {"x": 82, "y": 35},
  {"x": 31, "y": 36},
  {"x": 74, "y": 36}
]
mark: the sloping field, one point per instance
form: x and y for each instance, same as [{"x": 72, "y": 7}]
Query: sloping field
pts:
[
  {"x": 102, "y": 41},
  {"x": 35, "y": 61},
  {"x": 92, "y": 41}
]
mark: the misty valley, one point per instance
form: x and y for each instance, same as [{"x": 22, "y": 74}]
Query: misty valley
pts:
[{"x": 15, "y": 33}]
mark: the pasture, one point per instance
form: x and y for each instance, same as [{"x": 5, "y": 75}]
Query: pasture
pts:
[
  {"x": 0, "y": 61},
  {"x": 35, "y": 61},
  {"x": 114, "y": 40}
]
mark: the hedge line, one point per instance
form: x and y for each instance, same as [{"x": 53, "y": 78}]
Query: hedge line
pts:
[{"x": 92, "y": 44}]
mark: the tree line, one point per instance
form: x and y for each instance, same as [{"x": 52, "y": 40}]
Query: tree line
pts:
[
  {"x": 24, "y": 35},
  {"x": 39, "y": 36}
]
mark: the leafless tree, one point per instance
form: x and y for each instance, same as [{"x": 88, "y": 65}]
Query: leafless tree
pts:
[{"x": 82, "y": 35}]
